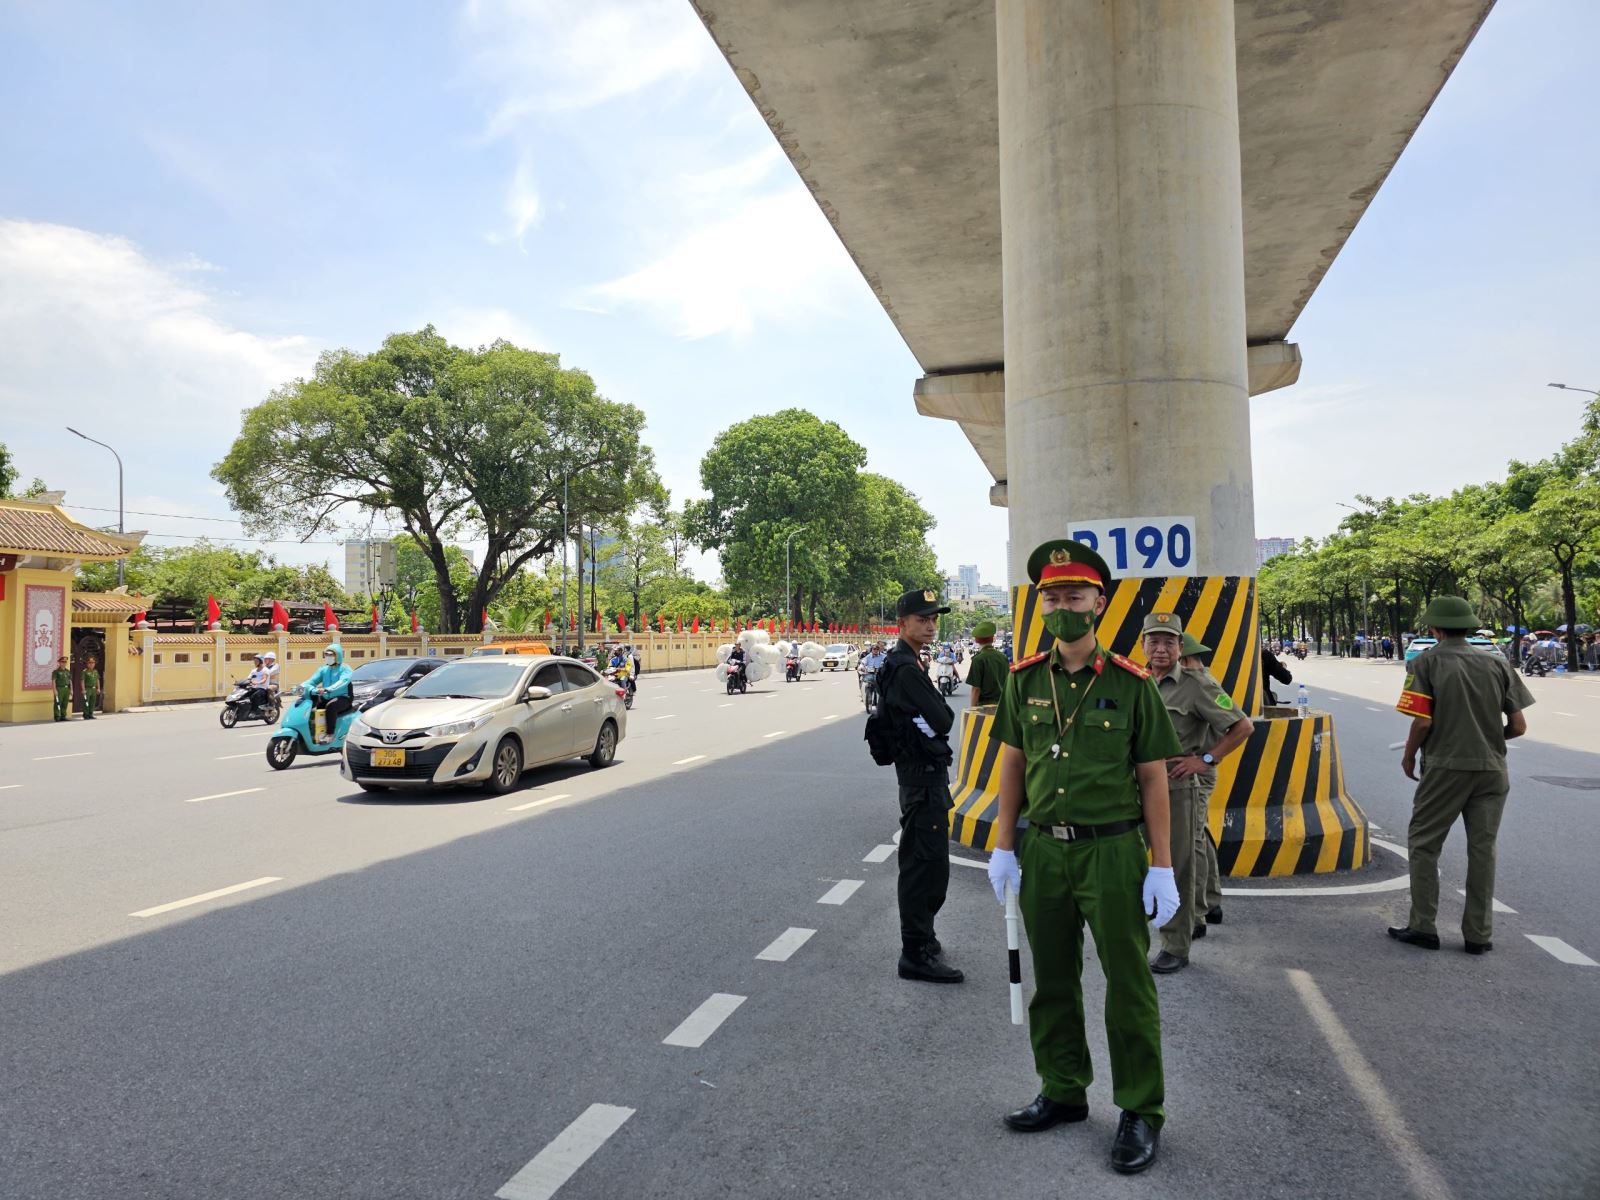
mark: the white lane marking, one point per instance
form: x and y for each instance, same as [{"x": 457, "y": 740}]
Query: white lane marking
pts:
[
  {"x": 204, "y": 896},
  {"x": 226, "y": 757},
  {"x": 664, "y": 717},
  {"x": 1494, "y": 902},
  {"x": 538, "y": 803},
  {"x": 6, "y": 787},
  {"x": 774, "y": 733},
  {"x": 1375, "y": 708},
  {"x": 841, "y": 891},
  {"x": 1426, "y": 1182},
  {"x": 225, "y": 795},
  {"x": 560, "y": 1160},
  {"x": 703, "y": 1021},
  {"x": 1559, "y": 713},
  {"x": 79, "y": 754},
  {"x": 880, "y": 853},
  {"x": 785, "y": 944},
  {"x": 1397, "y": 745},
  {"x": 830, "y": 716},
  {"x": 729, "y": 704},
  {"x": 1562, "y": 951},
  {"x": 969, "y": 862},
  {"x": 685, "y": 761},
  {"x": 1396, "y": 884},
  {"x": 1393, "y": 848}
]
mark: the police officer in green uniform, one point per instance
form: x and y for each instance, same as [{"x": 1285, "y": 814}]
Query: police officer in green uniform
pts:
[
  {"x": 61, "y": 677},
  {"x": 1464, "y": 705},
  {"x": 1209, "y": 727},
  {"x": 1207, "y": 895},
  {"x": 986, "y": 673},
  {"x": 91, "y": 688},
  {"x": 921, "y": 721},
  {"x": 1086, "y": 743}
]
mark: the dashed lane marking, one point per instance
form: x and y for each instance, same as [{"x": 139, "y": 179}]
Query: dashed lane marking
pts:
[
  {"x": 1375, "y": 708},
  {"x": 560, "y": 1160},
  {"x": 703, "y": 1021},
  {"x": 48, "y": 757},
  {"x": 1559, "y": 713},
  {"x": 830, "y": 716},
  {"x": 958, "y": 861},
  {"x": 664, "y": 717},
  {"x": 539, "y": 803},
  {"x": 226, "y": 757},
  {"x": 1426, "y": 1182},
  {"x": 774, "y": 733},
  {"x": 6, "y": 787},
  {"x": 1561, "y": 951},
  {"x": 879, "y": 853},
  {"x": 683, "y": 762},
  {"x": 841, "y": 891},
  {"x": 224, "y": 795},
  {"x": 1495, "y": 902},
  {"x": 204, "y": 896},
  {"x": 785, "y": 944},
  {"x": 729, "y": 704}
]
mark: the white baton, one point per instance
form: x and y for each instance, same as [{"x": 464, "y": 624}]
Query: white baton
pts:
[{"x": 1015, "y": 955}]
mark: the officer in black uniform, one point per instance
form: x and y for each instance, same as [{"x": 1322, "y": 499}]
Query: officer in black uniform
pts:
[{"x": 921, "y": 721}]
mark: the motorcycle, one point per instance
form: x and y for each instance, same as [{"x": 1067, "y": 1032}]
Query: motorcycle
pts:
[
  {"x": 1535, "y": 667},
  {"x": 630, "y": 686},
  {"x": 791, "y": 668},
  {"x": 945, "y": 676},
  {"x": 869, "y": 690},
  {"x": 304, "y": 725},
  {"x": 738, "y": 681},
  {"x": 240, "y": 706}
]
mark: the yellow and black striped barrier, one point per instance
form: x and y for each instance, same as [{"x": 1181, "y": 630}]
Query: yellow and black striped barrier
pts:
[{"x": 1279, "y": 806}]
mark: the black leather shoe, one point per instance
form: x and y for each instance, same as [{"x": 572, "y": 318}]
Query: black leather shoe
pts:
[
  {"x": 1134, "y": 1147},
  {"x": 1045, "y": 1113},
  {"x": 1428, "y": 941},
  {"x": 928, "y": 969},
  {"x": 1199, "y": 932},
  {"x": 1479, "y": 947},
  {"x": 1214, "y": 915},
  {"x": 1166, "y": 964},
  {"x": 934, "y": 948}
]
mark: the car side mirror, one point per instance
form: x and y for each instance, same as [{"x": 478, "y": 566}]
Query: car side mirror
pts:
[{"x": 535, "y": 692}]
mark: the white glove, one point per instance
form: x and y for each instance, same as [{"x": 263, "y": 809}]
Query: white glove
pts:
[
  {"x": 922, "y": 724},
  {"x": 1003, "y": 870},
  {"x": 1161, "y": 894}
]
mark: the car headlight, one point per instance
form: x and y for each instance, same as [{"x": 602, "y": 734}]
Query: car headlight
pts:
[
  {"x": 358, "y": 728},
  {"x": 456, "y": 728},
  {"x": 365, "y": 689}
]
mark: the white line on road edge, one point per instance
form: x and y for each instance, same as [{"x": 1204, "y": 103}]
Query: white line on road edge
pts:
[
  {"x": 685, "y": 761},
  {"x": 841, "y": 891},
  {"x": 703, "y": 1021},
  {"x": 1393, "y": 848},
  {"x": 537, "y": 803},
  {"x": 1494, "y": 901},
  {"x": 774, "y": 733},
  {"x": 226, "y": 757},
  {"x": 1562, "y": 951},
  {"x": 560, "y": 1160},
  {"x": 79, "y": 754},
  {"x": 225, "y": 795},
  {"x": 881, "y": 853},
  {"x": 785, "y": 944},
  {"x": 1426, "y": 1181},
  {"x": 1398, "y": 883},
  {"x": 204, "y": 896}
]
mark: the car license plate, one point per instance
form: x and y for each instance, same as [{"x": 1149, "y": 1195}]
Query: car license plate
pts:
[{"x": 388, "y": 758}]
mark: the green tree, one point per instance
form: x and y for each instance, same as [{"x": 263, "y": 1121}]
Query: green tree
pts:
[
  {"x": 8, "y": 472},
  {"x": 639, "y": 560},
  {"x": 1565, "y": 522}
]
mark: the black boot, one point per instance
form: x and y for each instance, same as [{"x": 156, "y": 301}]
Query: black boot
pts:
[
  {"x": 919, "y": 964},
  {"x": 1045, "y": 1113},
  {"x": 1427, "y": 941},
  {"x": 1134, "y": 1147},
  {"x": 1214, "y": 915}
]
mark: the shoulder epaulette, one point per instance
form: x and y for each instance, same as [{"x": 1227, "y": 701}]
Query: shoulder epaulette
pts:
[
  {"x": 1128, "y": 665},
  {"x": 1029, "y": 661}
]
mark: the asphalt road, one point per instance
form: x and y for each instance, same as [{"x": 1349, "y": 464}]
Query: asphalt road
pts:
[{"x": 436, "y": 997}]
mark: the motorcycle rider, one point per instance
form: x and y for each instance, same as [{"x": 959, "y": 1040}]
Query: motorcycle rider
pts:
[
  {"x": 736, "y": 659},
  {"x": 329, "y": 689},
  {"x": 257, "y": 682},
  {"x": 869, "y": 666},
  {"x": 269, "y": 663}
]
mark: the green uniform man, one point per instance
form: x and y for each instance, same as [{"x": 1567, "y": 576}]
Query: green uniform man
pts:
[
  {"x": 1463, "y": 704},
  {"x": 1209, "y": 727},
  {"x": 91, "y": 688},
  {"x": 986, "y": 673},
  {"x": 61, "y": 677},
  {"x": 1086, "y": 743},
  {"x": 1207, "y": 895}
]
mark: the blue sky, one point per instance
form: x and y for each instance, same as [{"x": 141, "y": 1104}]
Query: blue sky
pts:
[{"x": 196, "y": 203}]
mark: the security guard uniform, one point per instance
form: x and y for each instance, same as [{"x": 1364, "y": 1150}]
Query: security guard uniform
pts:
[
  {"x": 91, "y": 690},
  {"x": 922, "y": 769},
  {"x": 61, "y": 678},
  {"x": 1083, "y": 857},
  {"x": 1465, "y": 695},
  {"x": 988, "y": 669},
  {"x": 1207, "y": 894},
  {"x": 1201, "y": 713}
]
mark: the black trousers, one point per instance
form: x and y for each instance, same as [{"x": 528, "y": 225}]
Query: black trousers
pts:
[{"x": 924, "y": 859}]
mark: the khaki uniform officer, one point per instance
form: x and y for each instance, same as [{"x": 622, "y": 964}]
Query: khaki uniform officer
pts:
[
  {"x": 1207, "y": 896},
  {"x": 1464, "y": 704},
  {"x": 986, "y": 673},
  {"x": 1086, "y": 743},
  {"x": 1209, "y": 727}
]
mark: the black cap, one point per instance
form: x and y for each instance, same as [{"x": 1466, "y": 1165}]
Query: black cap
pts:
[{"x": 919, "y": 603}]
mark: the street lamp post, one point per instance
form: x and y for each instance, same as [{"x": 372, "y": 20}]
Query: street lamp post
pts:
[
  {"x": 1569, "y": 388},
  {"x": 121, "y": 568}
]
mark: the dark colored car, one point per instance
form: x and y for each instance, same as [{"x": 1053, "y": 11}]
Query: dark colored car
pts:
[{"x": 383, "y": 679}]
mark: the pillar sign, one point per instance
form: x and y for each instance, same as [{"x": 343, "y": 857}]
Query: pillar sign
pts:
[{"x": 1139, "y": 547}]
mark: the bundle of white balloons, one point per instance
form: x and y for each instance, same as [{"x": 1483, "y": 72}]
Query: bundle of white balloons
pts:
[{"x": 763, "y": 656}]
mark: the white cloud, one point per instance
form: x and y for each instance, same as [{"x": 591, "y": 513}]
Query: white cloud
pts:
[{"x": 474, "y": 327}]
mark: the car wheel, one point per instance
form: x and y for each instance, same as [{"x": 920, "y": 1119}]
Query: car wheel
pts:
[
  {"x": 605, "y": 747},
  {"x": 229, "y": 716},
  {"x": 281, "y": 752},
  {"x": 507, "y": 770}
]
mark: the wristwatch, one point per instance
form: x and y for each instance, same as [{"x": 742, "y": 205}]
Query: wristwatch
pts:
[{"x": 1208, "y": 760}]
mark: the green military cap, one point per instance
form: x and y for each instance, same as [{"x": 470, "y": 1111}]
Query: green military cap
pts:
[
  {"x": 1163, "y": 622},
  {"x": 1063, "y": 562},
  {"x": 1193, "y": 646},
  {"x": 919, "y": 602},
  {"x": 984, "y": 631},
  {"x": 1449, "y": 612}
]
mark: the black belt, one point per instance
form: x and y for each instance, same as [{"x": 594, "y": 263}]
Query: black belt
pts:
[{"x": 1076, "y": 833}]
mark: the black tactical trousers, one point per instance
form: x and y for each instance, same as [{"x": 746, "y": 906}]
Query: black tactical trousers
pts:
[{"x": 924, "y": 858}]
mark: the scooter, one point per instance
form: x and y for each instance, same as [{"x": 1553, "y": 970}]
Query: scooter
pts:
[
  {"x": 1535, "y": 666},
  {"x": 791, "y": 669},
  {"x": 945, "y": 675},
  {"x": 738, "y": 681},
  {"x": 303, "y": 726},
  {"x": 869, "y": 690},
  {"x": 630, "y": 687},
  {"x": 240, "y": 707}
]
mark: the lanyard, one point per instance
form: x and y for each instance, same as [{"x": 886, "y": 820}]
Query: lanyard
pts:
[{"x": 1055, "y": 704}]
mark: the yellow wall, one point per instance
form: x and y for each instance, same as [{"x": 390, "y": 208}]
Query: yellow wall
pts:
[{"x": 17, "y": 704}]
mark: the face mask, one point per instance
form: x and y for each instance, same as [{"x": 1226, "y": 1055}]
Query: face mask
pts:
[{"x": 1067, "y": 626}]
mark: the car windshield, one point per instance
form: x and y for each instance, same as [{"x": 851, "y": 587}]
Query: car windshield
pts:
[
  {"x": 383, "y": 668},
  {"x": 838, "y": 649},
  {"x": 477, "y": 680}
]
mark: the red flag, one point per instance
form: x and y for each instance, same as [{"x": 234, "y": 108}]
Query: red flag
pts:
[
  {"x": 484, "y": 617},
  {"x": 280, "y": 616},
  {"x": 415, "y": 626},
  {"x": 374, "y": 618},
  {"x": 680, "y": 622},
  {"x": 599, "y": 623},
  {"x": 329, "y": 621},
  {"x": 213, "y": 612},
  {"x": 695, "y": 628},
  {"x": 622, "y": 622},
  {"x": 547, "y": 618},
  {"x": 662, "y": 619}
]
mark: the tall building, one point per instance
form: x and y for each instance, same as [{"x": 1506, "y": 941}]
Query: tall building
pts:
[
  {"x": 954, "y": 589},
  {"x": 369, "y": 565},
  {"x": 1272, "y": 547},
  {"x": 968, "y": 573},
  {"x": 997, "y": 598}
]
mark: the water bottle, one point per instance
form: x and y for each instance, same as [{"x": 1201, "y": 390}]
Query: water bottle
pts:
[{"x": 1302, "y": 703}]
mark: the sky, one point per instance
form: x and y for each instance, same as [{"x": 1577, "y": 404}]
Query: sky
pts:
[{"x": 199, "y": 198}]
